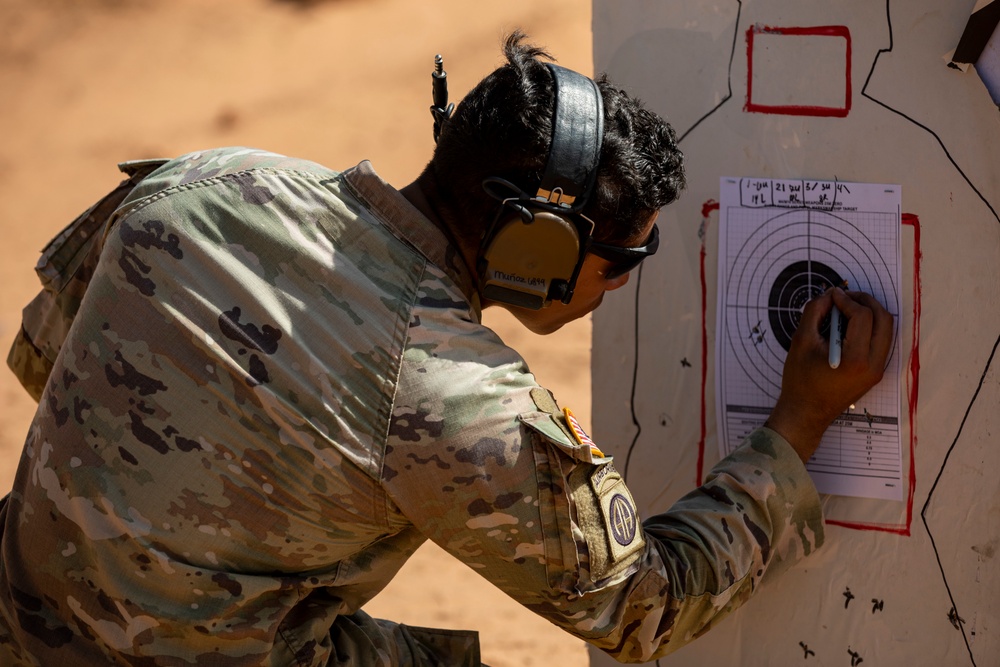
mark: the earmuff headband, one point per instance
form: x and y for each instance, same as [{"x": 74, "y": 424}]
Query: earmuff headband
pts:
[{"x": 577, "y": 131}]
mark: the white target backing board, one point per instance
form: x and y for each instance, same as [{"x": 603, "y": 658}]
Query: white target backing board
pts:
[{"x": 781, "y": 243}]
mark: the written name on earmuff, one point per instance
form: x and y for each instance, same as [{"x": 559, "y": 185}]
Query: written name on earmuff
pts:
[{"x": 514, "y": 278}]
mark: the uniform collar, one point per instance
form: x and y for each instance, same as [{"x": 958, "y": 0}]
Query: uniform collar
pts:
[{"x": 412, "y": 227}]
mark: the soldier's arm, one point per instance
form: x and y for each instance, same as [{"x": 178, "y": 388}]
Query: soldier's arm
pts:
[
  {"x": 481, "y": 465},
  {"x": 504, "y": 487},
  {"x": 758, "y": 512}
]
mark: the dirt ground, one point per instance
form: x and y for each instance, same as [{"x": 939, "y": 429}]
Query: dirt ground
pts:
[{"x": 85, "y": 85}]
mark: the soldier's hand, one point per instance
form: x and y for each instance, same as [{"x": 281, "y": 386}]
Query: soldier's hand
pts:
[{"x": 812, "y": 393}]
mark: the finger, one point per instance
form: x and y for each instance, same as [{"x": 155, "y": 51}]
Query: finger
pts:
[
  {"x": 857, "y": 341},
  {"x": 883, "y": 330},
  {"x": 850, "y": 303},
  {"x": 856, "y": 307},
  {"x": 865, "y": 299},
  {"x": 814, "y": 312}
]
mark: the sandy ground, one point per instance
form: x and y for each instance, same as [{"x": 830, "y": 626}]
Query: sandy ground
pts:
[{"x": 85, "y": 85}]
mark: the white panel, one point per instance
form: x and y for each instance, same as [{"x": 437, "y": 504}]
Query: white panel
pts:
[{"x": 892, "y": 573}]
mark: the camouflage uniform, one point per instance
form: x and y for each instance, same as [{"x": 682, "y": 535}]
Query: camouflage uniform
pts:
[{"x": 276, "y": 388}]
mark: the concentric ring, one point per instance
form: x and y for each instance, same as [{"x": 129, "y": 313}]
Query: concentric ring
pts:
[
  {"x": 794, "y": 287},
  {"x": 782, "y": 260}
]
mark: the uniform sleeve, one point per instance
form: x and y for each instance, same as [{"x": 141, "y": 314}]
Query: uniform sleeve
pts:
[
  {"x": 758, "y": 512},
  {"x": 485, "y": 471}
]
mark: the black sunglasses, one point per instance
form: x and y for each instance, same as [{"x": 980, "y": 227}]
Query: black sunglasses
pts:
[{"x": 624, "y": 260}]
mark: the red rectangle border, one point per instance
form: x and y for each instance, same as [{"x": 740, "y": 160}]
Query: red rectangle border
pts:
[{"x": 799, "y": 110}]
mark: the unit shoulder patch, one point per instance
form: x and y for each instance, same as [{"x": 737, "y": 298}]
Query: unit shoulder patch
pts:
[{"x": 618, "y": 512}]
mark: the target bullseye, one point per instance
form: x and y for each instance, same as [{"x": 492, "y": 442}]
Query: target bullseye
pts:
[{"x": 793, "y": 288}]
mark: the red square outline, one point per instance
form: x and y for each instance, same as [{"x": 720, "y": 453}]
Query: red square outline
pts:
[{"x": 799, "y": 110}]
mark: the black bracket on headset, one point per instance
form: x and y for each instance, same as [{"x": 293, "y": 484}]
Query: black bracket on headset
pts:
[{"x": 534, "y": 250}]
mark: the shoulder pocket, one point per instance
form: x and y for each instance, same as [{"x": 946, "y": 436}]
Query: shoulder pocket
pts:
[{"x": 587, "y": 491}]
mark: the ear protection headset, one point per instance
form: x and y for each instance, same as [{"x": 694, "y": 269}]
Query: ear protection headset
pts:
[{"x": 534, "y": 249}]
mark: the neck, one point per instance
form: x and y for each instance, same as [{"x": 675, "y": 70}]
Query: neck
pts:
[{"x": 425, "y": 196}]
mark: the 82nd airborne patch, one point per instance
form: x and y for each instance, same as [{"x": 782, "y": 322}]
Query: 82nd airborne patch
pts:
[
  {"x": 618, "y": 510},
  {"x": 622, "y": 519}
]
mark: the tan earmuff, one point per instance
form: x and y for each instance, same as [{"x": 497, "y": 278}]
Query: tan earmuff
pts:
[
  {"x": 527, "y": 263},
  {"x": 533, "y": 252}
]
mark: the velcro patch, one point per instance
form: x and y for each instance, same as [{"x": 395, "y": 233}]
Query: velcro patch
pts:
[
  {"x": 544, "y": 400},
  {"x": 618, "y": 510}
]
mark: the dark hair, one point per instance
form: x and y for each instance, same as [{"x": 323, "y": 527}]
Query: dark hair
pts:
[{"x": 503, "y": 128}]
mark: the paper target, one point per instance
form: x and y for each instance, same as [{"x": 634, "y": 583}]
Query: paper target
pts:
[
  {"x": 776, "y": 254},
  {"x": 784, "y": 258}
]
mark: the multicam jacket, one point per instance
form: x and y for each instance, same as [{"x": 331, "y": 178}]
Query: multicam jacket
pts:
[{"x": 275, "y": 388}]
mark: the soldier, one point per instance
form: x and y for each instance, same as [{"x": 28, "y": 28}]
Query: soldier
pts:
[{"x": 263, "y": 384}]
